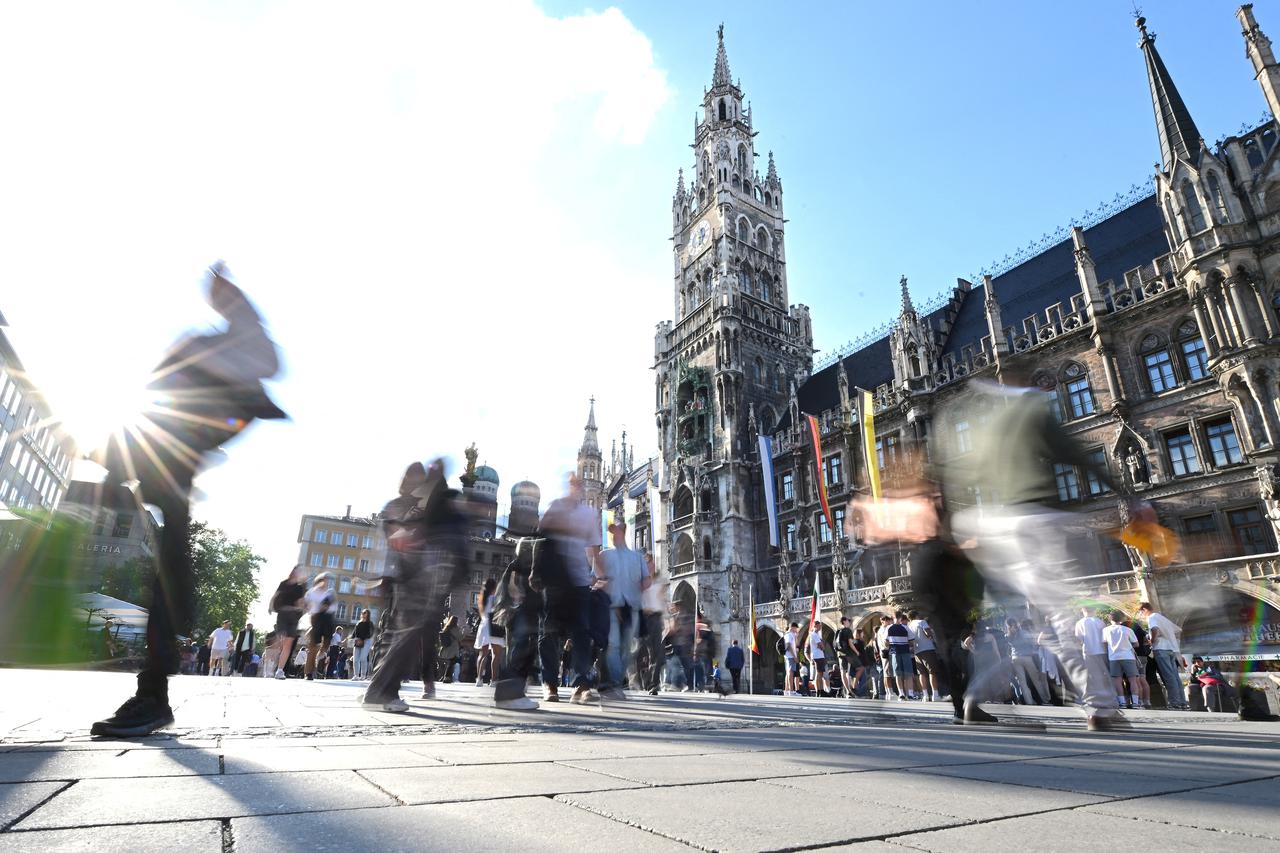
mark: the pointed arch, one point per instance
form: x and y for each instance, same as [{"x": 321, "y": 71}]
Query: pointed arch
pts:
[
  {"x": 721, "y": 111},
  {"x": 1217, "y": 200},
  {"x": 1191, "y": 208}
]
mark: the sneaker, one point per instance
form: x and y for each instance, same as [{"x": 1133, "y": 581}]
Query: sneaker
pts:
[
  {"x": 311, "y": 676},
  {"x": 428, "y": 694},
  {"x": 581, "y": 695},
  {"x": 653, "y": 692},
  {"x": 520, "y": 703},
  {"x": 138, "y": 716},
  {"x": 280, "y": 674},
  {"x": 1109, "y": 723},
  {"x": 616, "y": 693},
  {"x": 395, "y": 705},
  {"x": 975, "y": 716},
  {"x": 550, "y": 693}
]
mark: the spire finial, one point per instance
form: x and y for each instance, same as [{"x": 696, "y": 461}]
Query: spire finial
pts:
[
  {"x": 721, "y": 77},
  {"x": 1179, "y": 138},
  {"x": 907, "y": 307},
  {"x": 772, "y": 175}
]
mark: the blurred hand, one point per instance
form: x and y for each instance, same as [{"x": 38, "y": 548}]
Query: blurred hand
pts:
[{"x": 892, "y": 519}]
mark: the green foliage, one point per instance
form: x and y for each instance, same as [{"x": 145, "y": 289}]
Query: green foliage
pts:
[
  {"x": 225, "y": 575},
  {"x": 39, "y": 622},
  {"x": 129, "y": 580}
]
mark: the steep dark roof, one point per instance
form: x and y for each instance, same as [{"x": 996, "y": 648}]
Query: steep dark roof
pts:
[{"x": 1128, "y": 239}]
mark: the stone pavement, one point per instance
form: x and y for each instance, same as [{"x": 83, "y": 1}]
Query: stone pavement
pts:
[{"x": 261, "y": 765}]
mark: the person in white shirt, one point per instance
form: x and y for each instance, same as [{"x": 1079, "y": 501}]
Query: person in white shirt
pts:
[
  {"x": 882, "y": 648},
  {"x": 818, "y": 658},
  {"x": 1122, "y": 646},
  {"x": 220, "y": 649},
  {"x": 1166, "y": 648},
  {"x": 790, "y": 656},
  {"x": 626, "y": 574},
  {"x": 927, "y": 660},
  {"x": 1088, "y": 631}
]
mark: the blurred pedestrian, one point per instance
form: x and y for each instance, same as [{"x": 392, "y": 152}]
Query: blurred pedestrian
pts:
[
  {"x": 319, "y": 600},
  {"x": 448, "y": 642},
  {"x": 626, "y": 574},
  {"x": 287, "y": 603},
  {"x": 489, "y": 645}
]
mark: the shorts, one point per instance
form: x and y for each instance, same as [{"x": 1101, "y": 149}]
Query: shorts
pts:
[
  {"x": 928, "y": 662},
  {"x": 1126, "y": 667},
  {"x": 792, "y": 666},
  {"x": 820, "y": 664},
  {"x": 900, "y": 663},
  {"x": 287, "y": 624}
]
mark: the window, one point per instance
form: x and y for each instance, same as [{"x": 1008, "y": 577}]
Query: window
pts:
[
  {"x": 1216, "y": 198},
  {"x": 342, "y": 610},
  {"x": 1191, "y": 208},
  {"x": 1097, "y": 486},
  {"x": 332, "y": 562},
  {"x": 352, "y": 540},
  {"x": 344, "y": 585},
  {"x": 834, "y": 471},
  {"x": 1055, "y": 405},
  {"x": 349, "y": 563},
  {"x": 964, "y": 441},
  {"x": 886, "y": 450},
  {"x": 788, "y": 487},
  {"x": 1200, "y": 541},
  {"x": 319, "y": 536},
  {"x": 1114, "y": 556},
  {"x": 364, "y": 565},
  {"x": 368, "y": 543},
  {"x": 1195, "y": 358},
  {"x": 1068, "y": 481},
  {"x": 99, "y": 521},
  {"x": 1080, "y": 397},
  {"x": 316, "y": 559},
  {"x": 1159, "y": 371},
  {"x": 473, "y": 601},
  {"x": 1224, "y": 447},
  {"x": 1182, "y": 453},
  {"x": 824, "y": 530},
  {"x": 837, "y": 515},
  {"x": 124, "y": 523},
  {"x": 1248, "y": 532},
  {"x": 789, "y": 536}
]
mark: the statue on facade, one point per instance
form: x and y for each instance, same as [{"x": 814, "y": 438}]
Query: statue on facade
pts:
[
  {"x": 786, "y": 590},
  {"x": 735, "y": 589},
  {"x": 1269, "y": 490},
  {"x": 1135, "y": 465}
]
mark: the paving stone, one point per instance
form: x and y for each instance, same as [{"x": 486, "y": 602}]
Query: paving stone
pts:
[
  {"x": 498, "y": 753},
  {"x": 482, "y": 782},
  {"x": 98, "y": 764},
  {"x": 969, "y": 799},
  {"x": 1073, "y": 831},
  {"x": 1248, "y": 808},
  {"x": 730, "y": 767},
  {"x": 532, "y": 824},
  {"x": 751, "y": 816},
  {"x": 189, "y": 837},
  {"x": 106, "y": 801},
  {"x": 296, "y": 759},
  {"x": 1082, "y": 779},
  {"x": 17, "y": 799}
]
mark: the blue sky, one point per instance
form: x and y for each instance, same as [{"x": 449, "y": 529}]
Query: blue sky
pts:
[{"x": 455, "y": 218}]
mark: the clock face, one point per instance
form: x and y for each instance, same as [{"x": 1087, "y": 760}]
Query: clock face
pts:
[{"x": 698, "y": 239}]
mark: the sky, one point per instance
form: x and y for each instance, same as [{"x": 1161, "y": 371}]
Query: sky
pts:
[{"x": 455, "y": 217}]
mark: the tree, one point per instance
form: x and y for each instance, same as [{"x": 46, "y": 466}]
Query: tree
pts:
[
  {"x": 129, "y": 580},
  {"x": 225, "y": 575}
]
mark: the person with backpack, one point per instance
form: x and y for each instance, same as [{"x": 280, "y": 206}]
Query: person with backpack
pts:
[{"x": 426, "y": 539}]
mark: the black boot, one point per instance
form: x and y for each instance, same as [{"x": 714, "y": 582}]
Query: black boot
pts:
[{"x": 142, "y": 714}]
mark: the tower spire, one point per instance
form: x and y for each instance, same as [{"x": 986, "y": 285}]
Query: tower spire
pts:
[
  {"x": 772, "y": 175},
  {"x": 1258, "y": 48},
  {"x": 721, "y": 75},
  {"x": 1179, "y": 137},
  {"x": 907, "y": 308}
]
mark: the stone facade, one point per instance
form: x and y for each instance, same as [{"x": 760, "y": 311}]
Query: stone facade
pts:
[{"x": 1154, "y": 326}]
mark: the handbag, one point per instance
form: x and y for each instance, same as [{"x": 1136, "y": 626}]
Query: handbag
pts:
[{"x": 358, "y": 642}]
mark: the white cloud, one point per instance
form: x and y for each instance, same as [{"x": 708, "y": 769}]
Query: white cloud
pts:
[{"x": 396, "y": 185}]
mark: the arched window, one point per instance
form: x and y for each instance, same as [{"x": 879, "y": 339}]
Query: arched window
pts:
[
  {"x": 766, "y": 292},
  {"x": 1191, "y": 208},
  {"x": 1158, "y": 364},
  {"x": 742, "y": 159},
  {"x": 762, "y": 240},
  {"x": 746, "y": 186},
  {"x": 1172, "y": 218},
  {"x": 1079, "y": 394},
  {"x": 1268, "y": 140},
  {"x": 736, "y": 182},
  {"x": 1195, "y": 360},
  {"x": 777, "y": 377},
  {"x": 706, "y": 547},
  {"x": 1217, "y": 199},
  {"x": 684, "y": 549},
  {"x": 723, "y": 115},
  {"x": 759, "y": 370},
  {"x": 744, "y": 231},
  {"x": 768, "y": 199}
]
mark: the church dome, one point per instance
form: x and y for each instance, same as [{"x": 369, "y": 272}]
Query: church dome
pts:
[
  {"x": 525, "y": 487},
  {"x": 485, "y": 474}
]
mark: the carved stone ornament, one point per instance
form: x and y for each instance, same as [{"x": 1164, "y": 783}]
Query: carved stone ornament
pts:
[{"x": 1269, "y": 490}]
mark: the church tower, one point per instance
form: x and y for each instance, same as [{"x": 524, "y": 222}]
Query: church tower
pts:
[
  {"x": 727, "y": 363},
  {"x": 590, "y": 462}
]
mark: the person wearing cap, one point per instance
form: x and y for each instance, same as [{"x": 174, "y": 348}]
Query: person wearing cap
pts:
[
  {"x": 426, "y": 538},
  {"x": 208, "y": 389},
  {"x": 626, "y": 575}
]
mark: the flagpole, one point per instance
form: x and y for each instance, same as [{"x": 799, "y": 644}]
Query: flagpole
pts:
[{"x": 751, "y": 641}]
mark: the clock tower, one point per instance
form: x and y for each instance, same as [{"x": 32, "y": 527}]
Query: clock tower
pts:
[{"x": 727, "y": 365}]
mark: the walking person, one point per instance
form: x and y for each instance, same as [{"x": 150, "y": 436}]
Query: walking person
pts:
[
  {"x": 361, "y": 644},
  {"x": 626, "y": 575},
  {"x": 245, "y": 641},
  {"x": 336, "y": 640},
  {"x": 488, "y": 645},
  {"x": 210, "y": 390},
  {"x": 733, "y": 661},
  {"x": 652, "y": 627},
  {"x": 426, "y": 537},
  {"x": 319, "y": 600},
  {"x": 1025, "y": 658},
  {"x": 1166, "y": 645},
  {"x": 220, "y": 644},
  {"x": 203, "y": 655},
  {"x": 288, "y": 603},
  {"x": 440, "y": 665},
  {"x": 1122, "y": 648}
]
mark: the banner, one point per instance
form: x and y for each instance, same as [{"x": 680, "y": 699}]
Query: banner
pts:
[
  {"x": 822, "y": 480},
  {"x": 770, "y": 497},
  {"x": 755, "y": 644},
  {"x": 867, "y": 419}
]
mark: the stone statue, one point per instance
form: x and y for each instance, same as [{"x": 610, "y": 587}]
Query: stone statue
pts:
[
  {"x": 472, "y": 455},
  {"x": 1136, "y": 465},
  {"x": 1269, "y": 489}
]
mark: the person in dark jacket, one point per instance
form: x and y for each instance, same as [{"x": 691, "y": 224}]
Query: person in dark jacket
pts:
[
  {"x": 733, "y": 661},
  {"x": 209, "y": 390},
  {"x": 361, "y": 644},
  {"x": 287, "y": 604}
]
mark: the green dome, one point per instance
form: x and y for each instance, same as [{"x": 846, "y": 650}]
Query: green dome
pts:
[{"x": 487, "y": 474}]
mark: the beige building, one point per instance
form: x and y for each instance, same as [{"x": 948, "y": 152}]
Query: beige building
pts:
[{"x": 352, "y": 550}]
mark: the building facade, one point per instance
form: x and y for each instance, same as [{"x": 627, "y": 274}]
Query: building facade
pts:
[
  {"x": 1154, "y": 328},
  {"x": 352, "y": 550},
  {"x": 119, "y": 529},
  {"x": 35, "y": 454}
]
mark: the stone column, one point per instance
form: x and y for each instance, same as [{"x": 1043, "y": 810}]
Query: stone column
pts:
[
  {"x": 1234, "y": 285},
  {"x": 1202, "y": 320}
]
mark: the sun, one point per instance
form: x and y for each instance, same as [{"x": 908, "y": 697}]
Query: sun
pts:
[{"x": 93, "y": 411}]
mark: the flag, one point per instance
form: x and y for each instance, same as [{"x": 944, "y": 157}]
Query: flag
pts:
[
  {"x": 653, "y": 509},
  {"x": 770, "y": 497},
  {"x": 867, "y": 417},
  {"x": 813, "y": 607},
  {"x": 755, "y": 644},
  {"x": 822, "y": 481}
]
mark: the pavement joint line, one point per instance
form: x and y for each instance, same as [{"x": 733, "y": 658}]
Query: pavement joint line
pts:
[
  {"x": 9, "y": 826},
  {"x": 1224, "y": 831},
  {"x": 228, "y": 836},
  {"x": 369, "y": 781}
]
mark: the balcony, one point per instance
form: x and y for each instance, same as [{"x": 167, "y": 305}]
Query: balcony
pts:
[
  {"x": 683, "y": 521},
  {"x": 683, "y": 568}
]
